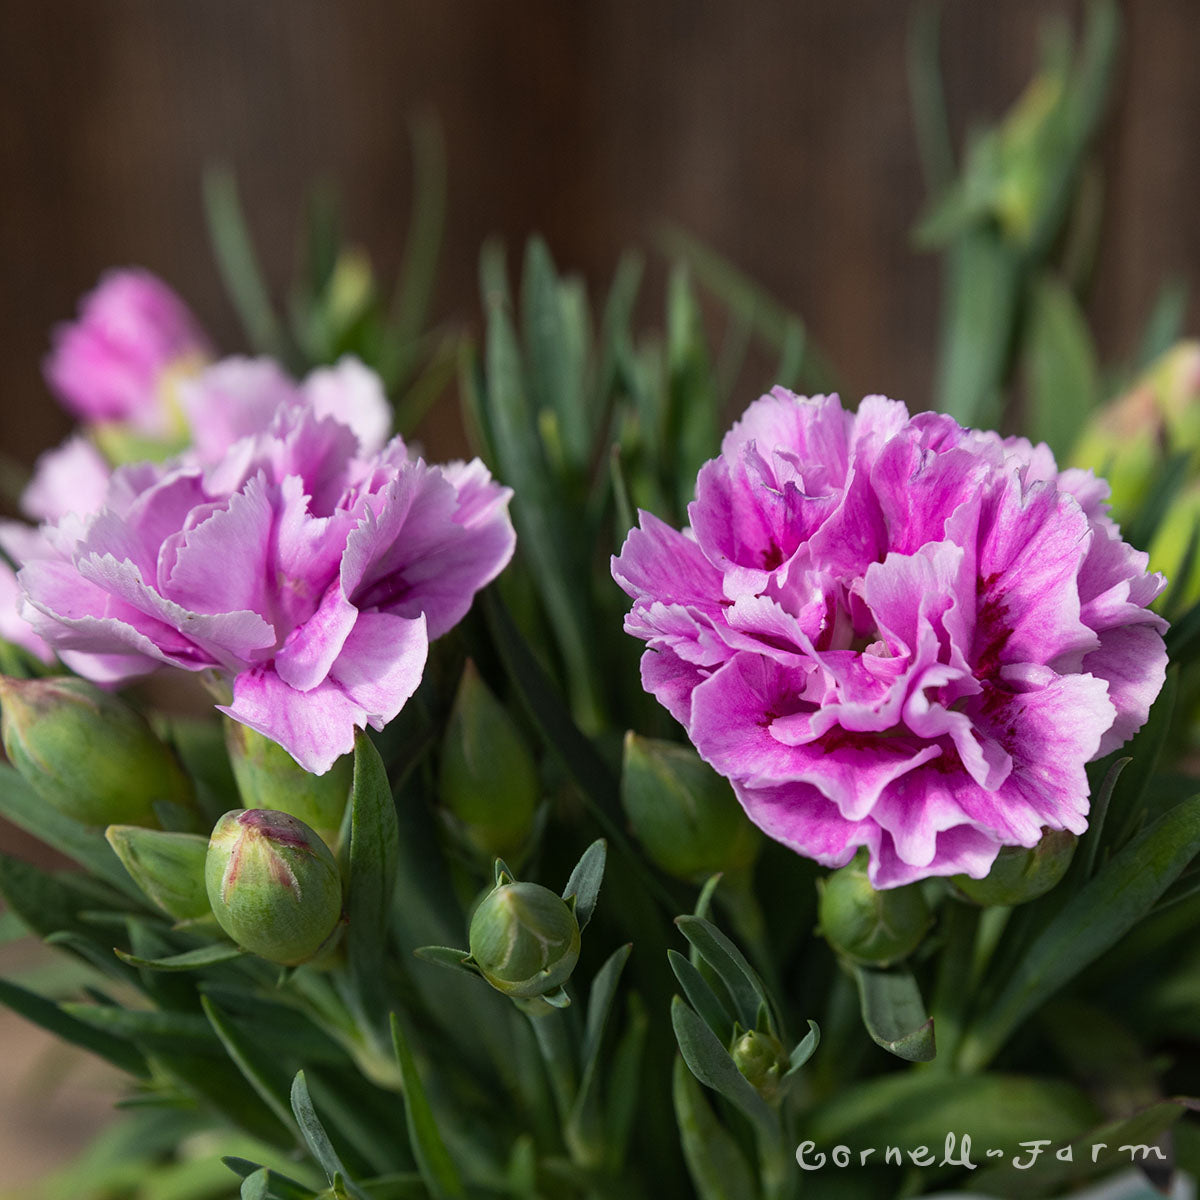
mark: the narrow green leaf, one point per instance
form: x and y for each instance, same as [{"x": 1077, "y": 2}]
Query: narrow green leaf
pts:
[
  {"x": 1165, "y": 324},
  {"x": 433, "y": 1159},
  {"x": 585, "y": 1123},
  {"x": 189, "y": 960},
  {"x": 1096, "y": 917},
  {"x": 585, "y": 881},
  {"x": 930, "y": 118},
  {"x": 805, "y": 1049},
  {"x": 745, "y": 987},
  {"x": 260, "y": 1070},
  {"x": 894, "y": 1014},
  {"x": 315, "y": 1136},
  {"x": 979, "y": 316},
  {"x": 278, "y": 1186},
  {"x": 1089, "y": 843},
  {"x": 117, "y": 1049},
  {"x": 238, "y": 263},
  {"x": 51, "y": 903},
  {"x": 556, "y": 345},
  {"x": 710, "y": 1062},
  {"x": 152, "y": 1029},
  {"x": 422, "y": 246},
  {"x": 614, "y": 330},
  {"x": 625, "y": 1083},
  {"x": 25, "y": 809},
  {"x": 701, "y": 996},
  {"x": 446, "y": 956},
  {"x": 772, "y": 322},
  {"x": 374, "y": 855},
  {"x": 716, "y": 1164},
  {"x": 1166, "y": 487},
  {"x": 1063, "y": 372}
]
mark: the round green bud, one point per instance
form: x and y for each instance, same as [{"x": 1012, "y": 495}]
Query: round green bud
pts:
[
  {"x": 487, "y": 778},
  {"x": 87, "y": 753},
  {"x": 168, "y": 867},
  {"x": 273, "y": 884},
  {"x": 1021, "y": 874},
  {"x": 683, "y": 813},
  {"x": 269, "y": 777},
  {"x": 869, "y": 926},
  {"x": 760, "y": 1057},
  {"x": 524, "y": 939}
]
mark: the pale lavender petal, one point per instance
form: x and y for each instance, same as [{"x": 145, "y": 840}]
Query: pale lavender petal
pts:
[
  {"x": 381, "y": 663},
  {"x": 233, "y": 399},
  {"x": 72, "y": 478},
  {"x": 352, "y": 394}
]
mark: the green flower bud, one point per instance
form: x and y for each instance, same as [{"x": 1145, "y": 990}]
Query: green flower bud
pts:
[
  {"x": 168, "y": 867},
  {"x": 87, "y": 753},
  {"x": 524, "y": 939},
  {"x": 868, "y": 926},
  {"x": 683, "y": 813},
  {"x": 488, "y": 781},
  {"x": 273, "y": 884},
  {"x": 761, "y": 1058},
  {"x": 269, "y": 777},
  {"x": 1019, "y": 874}
]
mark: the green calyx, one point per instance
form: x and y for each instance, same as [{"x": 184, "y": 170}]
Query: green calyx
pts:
[
  {"x": 683, "y": 813},
  {"x": 524, "y": 939},
  {"x": 168, "y": 867},
  {"x": 867, "y": 926},
  {"x": 487, "y": 779},
  {"x": 273, "y": 885},
  {"x": 87, "y": 753},
  {"x": 268, "y": 777},
  {"x": 761, "y": 1058},
  {"x": 1021, "y": 874}
]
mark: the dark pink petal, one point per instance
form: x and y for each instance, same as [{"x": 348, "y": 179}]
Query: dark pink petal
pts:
[{"x": 659, "y": 562}]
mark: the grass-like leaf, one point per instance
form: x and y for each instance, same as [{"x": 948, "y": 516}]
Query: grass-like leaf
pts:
[
  {"x": 717, "y": 1166},
  {"x": 585, "y": 881},
  {"x": 433, "y": 1159},
  {"x": 189, "y": 960}
]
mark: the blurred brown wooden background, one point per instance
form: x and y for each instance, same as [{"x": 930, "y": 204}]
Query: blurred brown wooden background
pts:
[{"x": 776, "y": 130}]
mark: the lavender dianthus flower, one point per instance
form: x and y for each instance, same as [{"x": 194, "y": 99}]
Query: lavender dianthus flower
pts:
[
  {"x": 291, "y": 552},
  {"x": 892, "y": 632}
]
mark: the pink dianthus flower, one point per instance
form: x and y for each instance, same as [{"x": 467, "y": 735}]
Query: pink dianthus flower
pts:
[
  {"x": 291, "y": 553},
  {"x": 892, "y": 632}
]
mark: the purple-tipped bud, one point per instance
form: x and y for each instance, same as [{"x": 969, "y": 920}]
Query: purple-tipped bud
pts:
[
  {"x": 88, "y": 753},
  {"x": 273, "y": 884}
]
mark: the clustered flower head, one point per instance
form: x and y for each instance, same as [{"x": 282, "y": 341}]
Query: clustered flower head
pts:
[
  {"x": 293, "y": 552},
  {"x": 895, "y": 633}
]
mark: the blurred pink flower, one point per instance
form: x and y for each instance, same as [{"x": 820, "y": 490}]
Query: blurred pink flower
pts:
[
  {"x": 288, "y": 552},
  {"x": 895, "y": 633},
  {"x": 109, "y": 364}
]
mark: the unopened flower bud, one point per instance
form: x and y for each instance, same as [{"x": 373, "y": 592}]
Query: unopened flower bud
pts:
[
  {"x": 1021, "y": 874},
  {"x": 87, "y": 753},
  {"x": 269, "y": 777},
  {"x": 683, "y": 813},
  {"x": 273, "y": 885},
  {"x": 524, "y": 939},
  {"x": 869, "y": 926},
  {"x": 488, "y": 781},
  {"x": 168, "y": 867},
  {"x": 760, "y": 1057}
]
